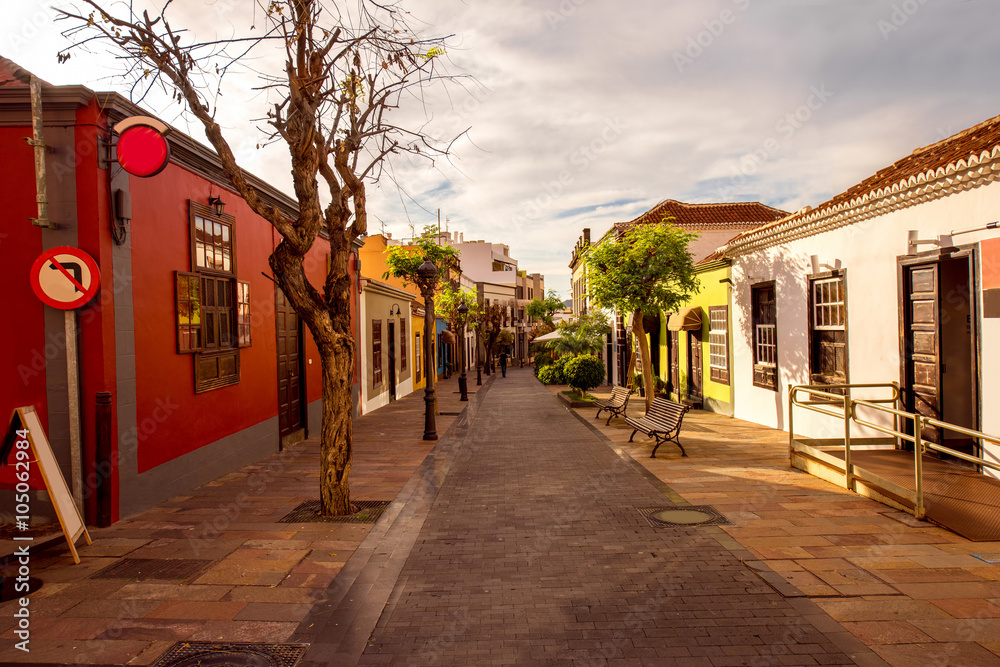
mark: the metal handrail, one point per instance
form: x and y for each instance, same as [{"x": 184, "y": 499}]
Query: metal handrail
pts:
[{"x": 849, "y": 415}]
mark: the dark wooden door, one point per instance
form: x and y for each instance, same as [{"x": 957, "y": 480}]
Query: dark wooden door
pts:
[
  {"x": 392, "y": 361},
  {"x": 922, "y": 344},
  {"x": 694, "y": 370},
  {"x": 290, "y": 404}
]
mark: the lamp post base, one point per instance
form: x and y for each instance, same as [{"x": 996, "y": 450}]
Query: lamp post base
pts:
[{"x": 463, "y": 387}]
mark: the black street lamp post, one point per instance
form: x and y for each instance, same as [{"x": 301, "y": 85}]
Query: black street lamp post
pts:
[
  {"x": 463, "y": 383},
  {"x": 428, "y": 274}
]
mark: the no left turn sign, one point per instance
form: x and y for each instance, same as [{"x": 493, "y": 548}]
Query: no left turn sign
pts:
[{"x": 65, "y": 277}]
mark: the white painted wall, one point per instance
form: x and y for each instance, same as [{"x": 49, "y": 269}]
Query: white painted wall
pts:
[{"x": 868, "y": 251}]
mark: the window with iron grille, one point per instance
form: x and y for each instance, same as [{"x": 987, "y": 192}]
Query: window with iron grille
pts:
[
  {"x": 828, "y": 330},
  {"x": 718, "y": 343},
  {"x": 212, "y": 307},
  {"x": 765, "y": 336},
  {"x": 376, "y": 352}
]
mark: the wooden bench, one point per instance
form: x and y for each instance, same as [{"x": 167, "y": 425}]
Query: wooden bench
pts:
[
  {"x": 662, "y": 421},
  {"x": 615, "y": 405}
]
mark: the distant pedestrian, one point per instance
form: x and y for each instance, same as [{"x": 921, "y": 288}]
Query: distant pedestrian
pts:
[{"x": 503, "y": 363}]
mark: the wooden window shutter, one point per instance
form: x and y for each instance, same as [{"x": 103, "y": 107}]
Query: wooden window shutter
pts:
[{"x": 188, "y": 306}]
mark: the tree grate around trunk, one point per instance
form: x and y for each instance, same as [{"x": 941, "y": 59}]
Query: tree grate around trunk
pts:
[
  {"x": 141, "y": 569},
  {"x": 683, "y": 516},
  {"x": 308, "y": 512},
  {"x": 231, "y": 654}
]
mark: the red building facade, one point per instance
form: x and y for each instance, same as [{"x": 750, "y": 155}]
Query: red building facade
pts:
[{"x": 207, "y": 366}]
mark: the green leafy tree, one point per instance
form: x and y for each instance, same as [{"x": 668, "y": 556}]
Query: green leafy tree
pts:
[
  {"x": 543, "y": 309},
  {"x": 645, "y": 270},
  {"x": 403, "y": 261},
  {"x": 586, "y": 335},
  {"x": 584, "y": 372}
]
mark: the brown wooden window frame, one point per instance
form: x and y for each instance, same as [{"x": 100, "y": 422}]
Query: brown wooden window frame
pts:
[
  {"x": 718, "y": 338},
  {"x": 764, "y": 335},
  {"x": 217, "y": 359},
  {"x": 402, "y": 344},
  {"x": 828, "y": 326},
  {"x": 418, "y": 367},
  {"x": 187, "y": 309},
  {"x": 376, "y": 352},
  {"x": 243, "y": 328}
]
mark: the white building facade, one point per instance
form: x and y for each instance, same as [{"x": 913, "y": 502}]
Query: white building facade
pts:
[{"x": 839, "y": 294}]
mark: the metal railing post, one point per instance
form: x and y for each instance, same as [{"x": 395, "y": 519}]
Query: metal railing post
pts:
[
  {"x": 791, "y": 428},
  {"x": 848, "y": 469},
  {"x": 895, "y": 417},
  {"x": 918, "y": 464}
]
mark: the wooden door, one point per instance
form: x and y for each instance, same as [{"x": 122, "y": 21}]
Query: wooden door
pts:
[
  {"x": 694, "y": 369},
  {"x": 922, "y": 344},
  {"x": 290, "y": 404}
]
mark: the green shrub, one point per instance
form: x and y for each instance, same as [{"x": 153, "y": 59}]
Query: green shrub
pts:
[
  {"x": 550, "y": 375},
  {"x": 560, "y": 364},
  {"x": 659, "y": 385},
  {"x": 543, "y": 358},
  {"x": 584, "y": 372}
]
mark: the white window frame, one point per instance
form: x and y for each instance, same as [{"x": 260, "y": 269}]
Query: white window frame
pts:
[
  {"x": 829, "y": 311},
  {"x": 766, "y": 342}
]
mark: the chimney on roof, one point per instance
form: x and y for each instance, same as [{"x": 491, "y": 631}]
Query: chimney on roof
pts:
[
  {"x": 586, "y": 235},
  {"x": 388, "y": 236}
]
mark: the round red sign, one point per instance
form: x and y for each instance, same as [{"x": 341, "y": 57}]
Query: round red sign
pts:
[
  {"x": 143, "y": 151},
  {"x": 65, "y": 277}
]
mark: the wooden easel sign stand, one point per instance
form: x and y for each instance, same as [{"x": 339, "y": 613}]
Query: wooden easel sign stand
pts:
[{"x": 25, "y": 431}]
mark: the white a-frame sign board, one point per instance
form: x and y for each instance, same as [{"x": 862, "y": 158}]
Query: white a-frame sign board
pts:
[{"x": 59, "y": 493}]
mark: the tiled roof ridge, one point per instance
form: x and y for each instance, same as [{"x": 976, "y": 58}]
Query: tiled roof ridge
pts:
[
  {"x": 12, "y": 74},
  {"x": 881, "y": 192}
]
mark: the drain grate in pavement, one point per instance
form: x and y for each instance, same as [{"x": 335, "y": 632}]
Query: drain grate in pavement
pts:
[
  {"x": 989, "y": 558},
  {"x": 680, "y": 516},
  {"x": 171, "y": 569},
  {"x": 308, "y": 512},
  {"x": 233, "y": 654}
]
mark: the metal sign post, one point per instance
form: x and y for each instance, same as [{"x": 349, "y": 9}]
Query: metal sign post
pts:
[{"x": 67, "y": 278}]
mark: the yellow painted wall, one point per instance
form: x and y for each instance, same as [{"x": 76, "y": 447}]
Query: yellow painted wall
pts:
[{"x": 712, "y": 293}]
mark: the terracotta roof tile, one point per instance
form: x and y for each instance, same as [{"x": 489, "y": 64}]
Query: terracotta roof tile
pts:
[
  {"x": 13, "y": 75},
  {"x": 736, "y": 216}
]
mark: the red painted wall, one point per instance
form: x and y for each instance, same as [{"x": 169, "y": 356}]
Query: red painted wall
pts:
[
  {"x": 23, "y": 372},
  {"x": 173, "y": 420}
]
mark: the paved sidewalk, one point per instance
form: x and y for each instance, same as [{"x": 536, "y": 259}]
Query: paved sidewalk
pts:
[
  {"x": 261, "y": 577},
  {"x": 911, "y": 591},
  {"x": 534, "y": 551}
]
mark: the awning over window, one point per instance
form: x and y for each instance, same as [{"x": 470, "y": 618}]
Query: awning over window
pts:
[
  {"x": 447, "y": 336},
  {"x": 685, "y": 319}
]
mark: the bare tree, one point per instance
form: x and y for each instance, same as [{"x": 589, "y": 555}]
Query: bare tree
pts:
[{"x": 347, "y": 67}]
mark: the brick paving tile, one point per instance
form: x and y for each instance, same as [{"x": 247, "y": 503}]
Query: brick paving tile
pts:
[
  {"x": 536, "y": 508},
  {"x": 263, "y": 570}
]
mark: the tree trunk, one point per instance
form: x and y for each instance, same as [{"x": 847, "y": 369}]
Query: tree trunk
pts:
[
  {"x": 329, "y": 323},
  {"x": 647, "y": 363},
  {"x": 630, "y": 374},
  {"x": 337, "y": 435}
]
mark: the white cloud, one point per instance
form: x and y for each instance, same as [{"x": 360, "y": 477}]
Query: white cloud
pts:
[{"x": 582, "y": 113}]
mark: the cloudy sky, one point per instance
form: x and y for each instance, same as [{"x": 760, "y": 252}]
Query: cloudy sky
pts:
[{"x": 583, "y": 113}]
